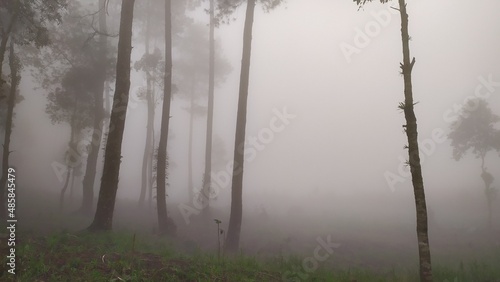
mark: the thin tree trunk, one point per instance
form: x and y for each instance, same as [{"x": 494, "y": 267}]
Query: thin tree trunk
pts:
[
  {"x": 71, "y": 188},
  {"x": 11, "y": 102},
  {"x": 103, "y": 218},
  {"x": 3, "y": 45},
  {"x": 190, "y": 147},
  {"x": 487, "y": 190},
  {"x": 152, "y": 180},
  {"x": 152, "y": 151},
  {"x": 490, "y": 211},
  {"x": 91, "y": 168},
  {"x": 163, "y": 226},
  {"x": 148, "y": 148},
  {"x": 149, "y": 127},
  {"x": 413, "y": 151},
  {"x": 96, "y": 134},
  {"x": 207, "y": 175},
  {"x": 65, "y": 187},
  {"x": 71, "y": 146},
  {"x": 107, "y": 102},
  {"x": 234, "y": 230}
]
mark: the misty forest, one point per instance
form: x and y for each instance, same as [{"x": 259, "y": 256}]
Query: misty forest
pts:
[{"x": 257, "y": 140}]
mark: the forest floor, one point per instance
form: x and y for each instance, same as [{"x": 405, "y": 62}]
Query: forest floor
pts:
[
  {"x": 50, "y": 246},
  {"x": 127, "y": 257}
]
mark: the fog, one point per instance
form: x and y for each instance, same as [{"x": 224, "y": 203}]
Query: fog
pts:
[{"x": 327, "y": 156}]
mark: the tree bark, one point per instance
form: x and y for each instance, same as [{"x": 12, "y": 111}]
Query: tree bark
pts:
[
  {"x": 107, "y": 99},
  {"x": 65, "y": 187},
  {"x": 95, "y": 144},
  {"x": 490, "y": 210},
  {"x": 413, "y": 151},
  {"x": 151, "y": 178},
  {"x": 146, "y": 163},
  {"x": 103, "y": 218},
  {"x": 207, "y": 175},
  {"x": 71, "y": 188},
  {"x": 163, "y": 226},
  {"x": 3, "y": 45},
  {"x": 190, "y": 146},
  {"x": 11, "y": 102},
  {"x": 71, "y": 148},
  {"x": 233, "y": 234},
  {"x": 488, "y": 190},
  {"x": 146, "y": 182}
]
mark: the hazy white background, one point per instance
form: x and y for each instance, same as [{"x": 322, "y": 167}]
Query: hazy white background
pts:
[{"x": 348, "y": 130}]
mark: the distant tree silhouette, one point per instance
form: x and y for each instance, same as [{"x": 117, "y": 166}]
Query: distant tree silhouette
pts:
[
  {"x": 21, "y": 23},
  {"x": 226, "y": 8},
  {"x": 474, "y": 131},
  {"x": 207, "y": 175},
  {"x": 100, "y": 66}
]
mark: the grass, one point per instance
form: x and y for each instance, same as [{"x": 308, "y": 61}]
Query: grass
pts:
[{"x": 126, "y": 257}]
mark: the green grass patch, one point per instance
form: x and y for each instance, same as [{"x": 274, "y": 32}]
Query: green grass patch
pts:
[{"x": 127, "y": 257}]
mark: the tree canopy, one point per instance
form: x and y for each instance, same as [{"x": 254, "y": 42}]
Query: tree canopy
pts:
[{"x": 475, "y": 131}]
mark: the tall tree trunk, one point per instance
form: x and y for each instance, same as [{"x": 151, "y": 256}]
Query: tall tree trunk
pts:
[
  {"x": 233, "y": 233},
  {"x": 163, "y": 226},
  {"x": 488, "y": 190},
  {"x": 14, "y": 65},
  {"x": 152, "y": 151},
  {"x": 72, "y": 188},
  {"x": 190, "y": 147},
  {"x": 3, "y": 44},
  {"x": 103, "y": 218},
  {"x": 69, "y": 161},
  {"x": 413, "y": 151},
  {"x": 96, "y": 133},
  {"x": 490, "y": 210},
  {"x": 146, "y": 164},
  {"x": 148, "y": 148},
  {"x": 107, "y": 99},
  {"x": 64, "y": 188},
  {"x": 207, "y": 175}
]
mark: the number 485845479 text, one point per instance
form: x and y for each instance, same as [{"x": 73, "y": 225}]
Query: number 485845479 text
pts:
[{"x": 11, "y": 193}]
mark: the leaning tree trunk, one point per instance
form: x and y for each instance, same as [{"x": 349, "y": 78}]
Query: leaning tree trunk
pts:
[
  {"x": 233, "y": 233},
  {"x": 103, "y": 218},
  {"x": 11, "y": 102},
  {"x": 207, "y": 175},
  {"x": 413, "y": 151},
  {"x": 163, "y": 225},
  {"x": 96, "y": 133}
]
